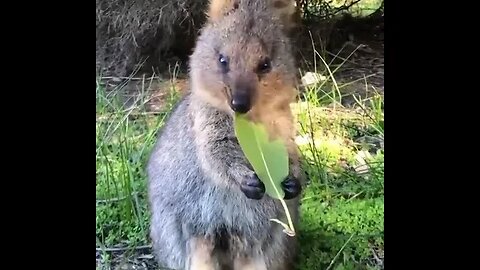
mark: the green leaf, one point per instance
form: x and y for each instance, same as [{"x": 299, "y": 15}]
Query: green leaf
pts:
[{"x": 268, "y": 158}]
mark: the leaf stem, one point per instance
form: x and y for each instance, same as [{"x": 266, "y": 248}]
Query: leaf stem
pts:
[{"x": 290, "y": 230}]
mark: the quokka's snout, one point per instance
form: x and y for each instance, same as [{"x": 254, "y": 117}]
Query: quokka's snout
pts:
[{"x": 241, "y": 92}]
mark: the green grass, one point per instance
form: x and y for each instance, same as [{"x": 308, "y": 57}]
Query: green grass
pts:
[
  {"x": 343, "y": 207},
  {"x": 124, "y": 137}
]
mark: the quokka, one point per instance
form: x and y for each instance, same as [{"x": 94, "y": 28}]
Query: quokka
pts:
[{"x": 209, "y": 209}]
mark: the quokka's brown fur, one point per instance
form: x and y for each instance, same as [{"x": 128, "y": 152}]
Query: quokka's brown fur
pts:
[
  {"x": 285, "y": 10},
  {"x": 209, "y": 210}
]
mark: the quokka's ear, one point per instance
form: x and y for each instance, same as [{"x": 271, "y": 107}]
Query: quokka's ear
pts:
[{"x": 219, "y": 8}]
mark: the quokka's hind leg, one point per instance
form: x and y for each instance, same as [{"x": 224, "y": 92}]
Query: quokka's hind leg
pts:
[{"x": 200, "y": 254}]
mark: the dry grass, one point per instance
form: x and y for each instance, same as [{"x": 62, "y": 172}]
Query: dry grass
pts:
[{"x": 142, "y": 31}]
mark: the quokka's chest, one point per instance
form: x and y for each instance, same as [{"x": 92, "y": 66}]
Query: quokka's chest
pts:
[{"x": 233, "y": 211}]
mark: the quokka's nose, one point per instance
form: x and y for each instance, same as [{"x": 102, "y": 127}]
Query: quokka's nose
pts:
[{"x": 240, "y": 102}]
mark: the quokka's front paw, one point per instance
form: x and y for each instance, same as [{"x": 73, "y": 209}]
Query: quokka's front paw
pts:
[
  {"x": 292, "y": 188},
  {"x": 252, "y": 187}
]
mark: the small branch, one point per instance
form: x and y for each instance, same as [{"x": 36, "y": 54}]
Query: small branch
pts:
[
  {"x": 107, "y": 117},
  {"x": 341, "y": 8},
  {"x": 111, "y": 200},
  {"x": 123, "y": 248},
  {"x": 130, "y": 78},
  {"x": 376, "y": 257}
]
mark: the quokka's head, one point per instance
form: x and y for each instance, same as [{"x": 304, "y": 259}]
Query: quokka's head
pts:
[{"x": 242, "y": 58}]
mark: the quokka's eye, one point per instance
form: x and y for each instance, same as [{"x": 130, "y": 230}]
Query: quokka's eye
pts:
[
  {"x": 264, "y": 66},
  {"x": 223, "y": 62}
]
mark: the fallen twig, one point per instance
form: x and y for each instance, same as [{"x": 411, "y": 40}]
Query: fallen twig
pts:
[
  {"x": 131, "y": 78},
  {"x": 106, "y": 249}
]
